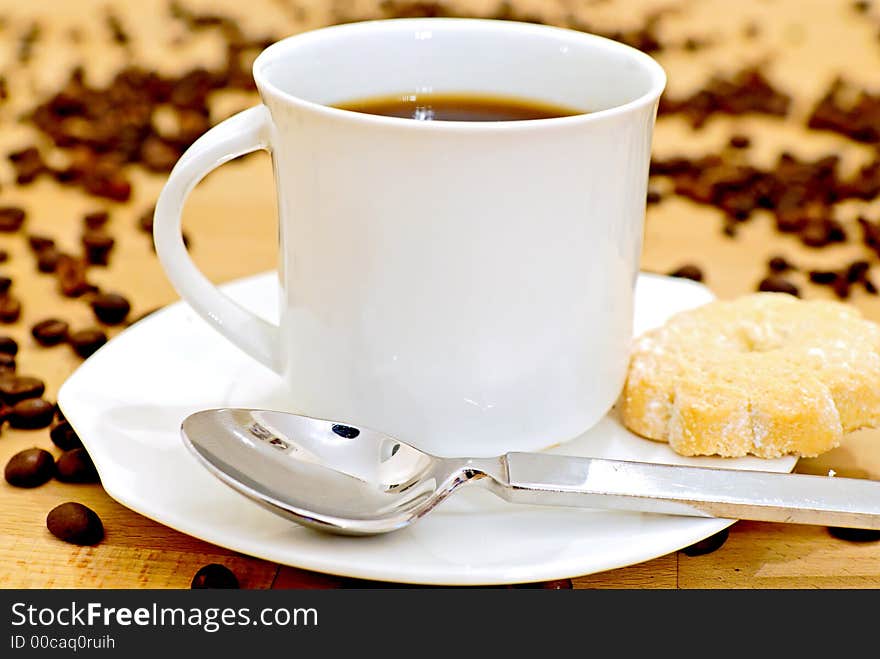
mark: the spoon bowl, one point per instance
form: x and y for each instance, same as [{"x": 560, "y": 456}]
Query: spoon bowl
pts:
[
  {"x": 345, "y": 479},
  {"x": 327, "y": 475}
]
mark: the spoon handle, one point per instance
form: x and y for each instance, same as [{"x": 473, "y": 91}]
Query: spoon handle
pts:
[{"x": 692, "y": 491}]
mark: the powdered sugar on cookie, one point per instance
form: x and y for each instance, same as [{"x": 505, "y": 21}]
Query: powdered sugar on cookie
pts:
[{"x": 766, "y": 374}]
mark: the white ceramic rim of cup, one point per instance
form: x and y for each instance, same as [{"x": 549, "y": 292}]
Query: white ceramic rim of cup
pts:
[{"x": 655, "y": 72}]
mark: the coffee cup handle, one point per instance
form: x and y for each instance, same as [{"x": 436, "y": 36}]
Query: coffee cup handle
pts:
[{"x": 242, "y": 133}]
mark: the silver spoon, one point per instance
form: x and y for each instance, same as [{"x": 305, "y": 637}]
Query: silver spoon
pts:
[{"x": 343, "y": 479}]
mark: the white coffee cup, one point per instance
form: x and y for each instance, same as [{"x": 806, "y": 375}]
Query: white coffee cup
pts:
[{"x": 464, "y": 286}]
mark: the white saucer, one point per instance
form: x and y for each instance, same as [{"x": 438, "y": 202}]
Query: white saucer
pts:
[{"x": 127, "y": 402}]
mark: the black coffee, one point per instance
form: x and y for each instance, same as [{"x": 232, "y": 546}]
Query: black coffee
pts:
[{"x": 458, "y": 107}]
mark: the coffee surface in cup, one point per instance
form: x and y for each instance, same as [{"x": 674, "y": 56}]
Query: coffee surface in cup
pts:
[{"x": 457, "y": 107}]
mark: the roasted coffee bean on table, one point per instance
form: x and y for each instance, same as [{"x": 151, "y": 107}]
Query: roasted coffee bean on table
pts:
[
  {"x": 854, "y": 535},
  {"x": 739, "y": 141},
  {"x": 75, "y": 523},
  {"x": 707, "y": 545},
  {"x": 32, "y": 413},
  {"x": 8, "y": 345},
  {"x": 110, "y": 308},
  {"x": 15, "y": 388},
  {"x": 214, "y": 575},
  {"x": 38, "y": 243},
  {"x": 30, "y": 468},
  {"x": 823, "y": 276},
  {"x": 47, "y": 260},
  {"x": 76, "y": 466},
  {"x": 64, "y": 436},
  {"x": 857, "y": 271},
  {"x": 10, "y": 309},
  {"x": 7, "y": 364},
  {"x": 28, "y": 165},
  {"x": 11, "y": 218},
  {"x": 97, "y": 246},
  {"x": 145, "y": 220},
  {"x": 688, "y": 271},
  {"x": 72, "y": 273},
  {"x": 5, "y": 284},
  {"x": 86, "y": 342},
  {"x": 96, "y": 219},
  {"x": 780, "y": 264},
  {"x": 778, "y": 284},
  {"x": 556, "y": 584},
  {"x": 50, "y": 332}
]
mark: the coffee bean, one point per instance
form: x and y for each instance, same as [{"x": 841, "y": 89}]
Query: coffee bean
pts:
[
  {"x": 214, "y": 575},
  {"x": 96, "y": 219},
  {"x": 30, "y": 468},
  {"x": 820, "y": 234},
  {"x": 38, "y": 243},
  {"x": 7, "y": 363},
  {"x": 145, "y": 221},
  {"x": 8, "y": 345},
  {"x": 15, "y": 388},
  {"x": 841, "y": 287},
  {"x": 75, "y": 523},
  {"x": 854, "y": 535},
  {"x": 85, "y": 342},
  {"x": 870, "y": 286},
  {"x": 778, "y": 284},
  {"x": 739, "y": 141},
  {"x": 28, "y": 164},
  {"x": 823, "y": 276},
  {"x": 707, "y": 545},
  {"x": 10, "y": 309},
  {"x": 64, "y": 436},
  {"x": 556, "y": 584},
  {"x": 97, "y": 246},
  {"x": 688, "y": 271},
  {"x": 779, "y": 264},
  {"x": 50, "y": 332},
  {"x": 11, "y": 218},
  {"x": 110, "y": 308},
  {"x": 5, "y": 285},
  {"x": 653, "y": 197},
  {"x": 159, "y": 155},
  {"x": 4, "y": 256},
  {"x": 870, "y": 233},
  {"x": 47, "y": 260},
  {"x": 31, "y": 413},
  {"x": 856, "y": 271},
  {"x": 72, "y": 279},
  {"x": 112, "y": 186},
  {"x": 76, "y": 466}
]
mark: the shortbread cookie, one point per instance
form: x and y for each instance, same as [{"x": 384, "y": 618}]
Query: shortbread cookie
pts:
[{"x": 766, "y": 374}]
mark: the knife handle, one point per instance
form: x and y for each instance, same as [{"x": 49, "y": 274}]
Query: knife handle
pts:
[{"x": 558, "y": 480}]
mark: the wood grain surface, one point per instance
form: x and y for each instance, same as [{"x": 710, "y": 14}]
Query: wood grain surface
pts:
[{"x": 801, "y": 45}]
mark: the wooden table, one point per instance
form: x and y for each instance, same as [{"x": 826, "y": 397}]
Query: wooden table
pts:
[{"x": 803, "y": 45}]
